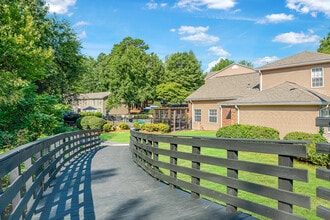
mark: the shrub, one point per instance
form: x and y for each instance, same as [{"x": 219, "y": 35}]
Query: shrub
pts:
[
  {"x": 141, "y": 116},
  {"x": 92, "y": 122},
  {"x": 163, "y": 128},
  {"x": 313, "y": 157},
  {"x": 136, "y": 125},
  {"x": 107, "y": 127},
  {"x": 97, "y": 114},
  {"x": 248, "y": 131},
  {"x": 123, "y": 126}
]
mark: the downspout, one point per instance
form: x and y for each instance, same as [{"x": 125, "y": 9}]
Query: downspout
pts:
[
  {"x": 220, "y": 116},
  {"x": 260, "y": 74},
  {"x": 238, "y": 116}
]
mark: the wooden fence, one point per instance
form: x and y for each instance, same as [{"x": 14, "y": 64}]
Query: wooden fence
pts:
[
  {"x": 27, "y": 171},
  {"x": 323, "y": 173},
  {"x": 147, "y": 149}
]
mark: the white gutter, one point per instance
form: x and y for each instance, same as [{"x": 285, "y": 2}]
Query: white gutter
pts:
[
  {"x": 260, "y": 74},
  {"x": 238, "y": 115}
]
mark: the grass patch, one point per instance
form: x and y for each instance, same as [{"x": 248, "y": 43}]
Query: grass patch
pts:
[{"x": 116, "y": 136}]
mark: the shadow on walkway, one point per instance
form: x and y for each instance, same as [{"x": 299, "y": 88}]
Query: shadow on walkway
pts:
[{"x": 69, "y": 196}]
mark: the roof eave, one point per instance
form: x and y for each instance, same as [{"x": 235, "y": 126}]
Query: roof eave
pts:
[{"x": 294, "y": 65}]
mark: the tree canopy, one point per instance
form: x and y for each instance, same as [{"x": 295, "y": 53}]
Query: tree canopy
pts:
[{"x": 325, "y": 45}]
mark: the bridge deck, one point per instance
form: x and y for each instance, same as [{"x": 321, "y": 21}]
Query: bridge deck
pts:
[{"x": 105, "y": 184}]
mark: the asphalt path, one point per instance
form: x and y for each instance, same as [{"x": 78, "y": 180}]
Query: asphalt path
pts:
[{"x": 105, "y": 183}]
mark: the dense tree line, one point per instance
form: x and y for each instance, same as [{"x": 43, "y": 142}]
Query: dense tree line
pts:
[{"x": 40, "y": 61}]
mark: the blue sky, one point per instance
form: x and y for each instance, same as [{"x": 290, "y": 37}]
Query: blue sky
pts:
[{"x": 258, "y": 31}]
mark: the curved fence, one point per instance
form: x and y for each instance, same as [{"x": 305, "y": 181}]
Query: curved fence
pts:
[
  {"x": 181, "y": 162},
  {"x": 26, "y": 171}
]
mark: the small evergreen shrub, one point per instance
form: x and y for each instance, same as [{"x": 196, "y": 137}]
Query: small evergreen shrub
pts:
[
  {"x": 92, "y": 122},
  {"x": 163, "y": 128},
  {"x": 97, "y": 114},
  {"x": 141, "y": 116},
  {"x": 248, "y": 131},
  {"x": 107, "y": 127},
  {"x": 123, "y": 126},
  {"x": 136, "y": 125},
  {"x": 313, "y": 157}
]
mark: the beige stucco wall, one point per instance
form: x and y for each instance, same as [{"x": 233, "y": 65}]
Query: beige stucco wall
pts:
[
  {"x": 300, "y": 75},
  {"x": 204, "y": 124},
  {"x": 283, "y": 118}
]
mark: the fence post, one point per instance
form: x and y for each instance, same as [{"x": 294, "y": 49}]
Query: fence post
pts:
[
  {"x": 285, "y": 184},
  {"x": 155, "y": 156},
  {"x": 174, "y": 161},
  {"x": 233, "y": 173},
  {"x": 195, "y": 165}
]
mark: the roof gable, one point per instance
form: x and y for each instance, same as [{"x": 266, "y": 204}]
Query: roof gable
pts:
[
  {"x": 232, "y": 69},
  {"x": 300, "y": 59},
  {"x": 287, "y": 93},
  {"x": 96, "y": 95},
  {"x": 227, "y": 87}
]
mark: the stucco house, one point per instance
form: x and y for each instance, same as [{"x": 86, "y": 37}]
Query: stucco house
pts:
[{"x": 292, "y": 92}]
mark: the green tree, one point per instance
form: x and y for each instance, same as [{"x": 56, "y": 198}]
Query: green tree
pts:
[
  {"x": 130, "y": 70},
  {"x": 184, "y": 69},
  {"x": 172, "y": 92},
  {"x": 223, "y": 63},
  {"x": 324, "y": 45},
  {"x": 246, "y": 63},
  {"x": 64, "y": 72}
]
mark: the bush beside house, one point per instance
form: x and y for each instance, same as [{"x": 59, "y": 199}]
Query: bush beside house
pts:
[
  {"x": 248, "y": 131},
  {"x": 313, "y": 157}
]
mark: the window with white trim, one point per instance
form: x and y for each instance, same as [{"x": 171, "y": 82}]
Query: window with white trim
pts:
[
  {"x": 213, "y": 115},
  {"x": 317, "y": 77},
  {"x": 198, "y": 115}
]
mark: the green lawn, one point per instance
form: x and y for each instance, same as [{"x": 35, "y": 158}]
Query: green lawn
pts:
[{"x": 307, "y": 189}]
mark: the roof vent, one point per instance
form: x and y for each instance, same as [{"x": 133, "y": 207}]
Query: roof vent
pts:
[{"x": 234, "y": 67}]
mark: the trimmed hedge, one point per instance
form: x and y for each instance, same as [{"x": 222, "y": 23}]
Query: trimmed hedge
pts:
[
  {"x": 107, "y": 127},
  {"x": 123, "y": 126},
  {"x": 160, "y": 127},
  {"x": 248, "y": 131},
  {"x": 97, "y": 114},
  {"x": 313, "y": 157},
  {"x": 91, "y": 122}
]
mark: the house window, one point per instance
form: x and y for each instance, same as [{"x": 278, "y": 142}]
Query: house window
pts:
[
  {"x": 99, "y": 102},
  {"x": 198, "y": 115},
  {"x": 213, "y": 116},
  {"x": 317, "y": 77}
]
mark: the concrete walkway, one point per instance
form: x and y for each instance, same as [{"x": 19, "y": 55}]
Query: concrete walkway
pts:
[{"x": 105, "y": 184}]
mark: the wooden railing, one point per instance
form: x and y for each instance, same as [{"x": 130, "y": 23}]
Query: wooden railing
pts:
[
  {"x": 148, "y": 151},
  {"x": 323, "y": 173},
  {"x": 26, "y": 171}
]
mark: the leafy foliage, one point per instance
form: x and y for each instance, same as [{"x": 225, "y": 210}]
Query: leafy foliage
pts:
[
  {"x": 313, "y": 157},
  {"x": 160, "y": 127},
  {"x": 248, "y": 131},
  {"x": 92, "y": 122},
  {"x": 325, "y": 45},
  {"x": 172, "y": 92},
  {"x": 123, "y": 126},
  {"x": 107, "y": 127},
  {"x": 223, "y": 63}
]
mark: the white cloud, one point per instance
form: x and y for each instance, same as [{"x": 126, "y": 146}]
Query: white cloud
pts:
[
  {"x": 80, "y": 23},
  {"x": 276, "y": 18},
  {"x": 310, "y": 6},
  {"x": 196, "y": 34},
  {"x": 210, "y": 4},
  {"x": 219, "y": 51},
  {"x": 153, "y": 5},
  {"x": 59, "y": 6},
  {"x": 296, "y": 38},
  {"x": 192, "y": 29},
  {"x": 265, "y": 60},
  {"x": 82, "y": 35}
]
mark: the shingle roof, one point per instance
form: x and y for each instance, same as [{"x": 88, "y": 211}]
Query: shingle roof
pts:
[
  {"x": 96, "y": 95},
  {"x": 227, "y": 87},
  {"x": 287, "y": 93},
  {"x": 300, "y": 59},
  {"x": 210, "y": 74}
]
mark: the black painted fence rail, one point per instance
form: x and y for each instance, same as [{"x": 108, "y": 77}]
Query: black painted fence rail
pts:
[
  {"x": 323, "y": 173},
  {"x": 146, "y": 153},
  {"x": 26, "y": 171}
]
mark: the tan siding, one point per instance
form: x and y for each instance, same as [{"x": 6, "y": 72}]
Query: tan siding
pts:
[
  {"x": 204, "y": 124},
  {"x": 299, "y": 75},
  {"x": 233, "y": 70},
  {"x": 283, "y": 118}
]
